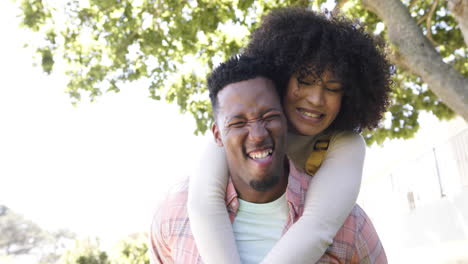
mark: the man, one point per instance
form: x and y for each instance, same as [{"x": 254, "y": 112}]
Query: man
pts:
[{"x": 265, "y": 194}]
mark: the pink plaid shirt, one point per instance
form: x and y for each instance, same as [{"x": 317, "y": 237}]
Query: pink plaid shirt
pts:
[{"x": 171, "y": 240}]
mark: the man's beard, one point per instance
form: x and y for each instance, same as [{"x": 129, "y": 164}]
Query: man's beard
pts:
[{"x": 264, "y": 185}]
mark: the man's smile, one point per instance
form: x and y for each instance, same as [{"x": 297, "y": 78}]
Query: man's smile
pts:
[{"x": 260, "y": 154}]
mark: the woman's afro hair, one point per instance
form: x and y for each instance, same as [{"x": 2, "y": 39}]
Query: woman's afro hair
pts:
[{"x": 302, "y": 42}]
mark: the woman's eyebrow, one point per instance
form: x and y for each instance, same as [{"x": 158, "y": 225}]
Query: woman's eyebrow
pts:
[{"x": 333, "y": 81}]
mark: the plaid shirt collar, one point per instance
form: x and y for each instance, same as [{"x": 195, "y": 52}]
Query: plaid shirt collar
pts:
[{"x": 296, "y": 190}]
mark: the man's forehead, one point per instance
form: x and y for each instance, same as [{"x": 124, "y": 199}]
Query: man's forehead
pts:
[
  {"x": 248, "y": 96},
  {"x": 243, "y": 90},
  {"x": 243, "y": 110}
]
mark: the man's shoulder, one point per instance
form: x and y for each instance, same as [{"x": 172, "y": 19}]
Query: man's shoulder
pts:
[
  {"x": 351, "y": 227},
  {"x": 171, "y": 237},
  {"x": 172, "y": 210},
  {"x": 355, "y": 225},
  {"x": 356, "y": 219},
  {"x": 178, "y": 192}
]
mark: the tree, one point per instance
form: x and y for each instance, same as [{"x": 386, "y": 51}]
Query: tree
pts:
[
  {"x": 19, "y": 235},
  {"x": 131, "y": 250},
  {"x": 430, "y": 52},
  {"x": 171, "y": 45},
  {"x": 86, "y": 251},
  {"x": 58, "y": 242}
]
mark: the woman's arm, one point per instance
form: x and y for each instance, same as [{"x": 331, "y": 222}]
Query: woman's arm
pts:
[
  {"x": 207, "y": 211},
  {"x": 332, "y": 194}
]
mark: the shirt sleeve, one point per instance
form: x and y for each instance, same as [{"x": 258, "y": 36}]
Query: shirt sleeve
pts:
[{"x": 159, "y": 251}]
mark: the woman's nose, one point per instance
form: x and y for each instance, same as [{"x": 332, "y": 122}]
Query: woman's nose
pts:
[{"x": 315, "y": 96}]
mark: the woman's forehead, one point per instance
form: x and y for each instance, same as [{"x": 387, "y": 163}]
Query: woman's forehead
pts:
[{"x": 325, "y": 75}]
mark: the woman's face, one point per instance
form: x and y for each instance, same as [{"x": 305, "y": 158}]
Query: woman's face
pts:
[{"x": 312, "y": 104}]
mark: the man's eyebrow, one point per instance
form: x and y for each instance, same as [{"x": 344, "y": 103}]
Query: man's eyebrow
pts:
[
  {"x": 271, "y": 110},
  {"x": 242, "y": 116},
  {"x": 236, "y": 116}
]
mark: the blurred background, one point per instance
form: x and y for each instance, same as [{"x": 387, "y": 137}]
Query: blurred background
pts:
[{"x": 103, "y": 107}]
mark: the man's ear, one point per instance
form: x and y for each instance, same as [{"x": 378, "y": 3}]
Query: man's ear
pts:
[{"x": 216, "y": 134}]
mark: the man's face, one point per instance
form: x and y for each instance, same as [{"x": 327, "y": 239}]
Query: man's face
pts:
[{"x": 251, "y": 126}]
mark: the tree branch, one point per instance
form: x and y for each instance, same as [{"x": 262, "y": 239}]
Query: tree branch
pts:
[
  {"x": 429, "y": 22},
  {"x": 459, "y": 9},
  {"x": 394, "y": 57},
  {"x": 417, "y": 55},
  {"x": 422, "y": 19},
  {"x": 337, "y": 9},
  {"x": 339, "y": 5}
]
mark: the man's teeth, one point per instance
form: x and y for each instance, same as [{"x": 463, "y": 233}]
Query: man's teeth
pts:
[
  {"x": 260, "y": 154},
  {"x": 309, "y": 114}
]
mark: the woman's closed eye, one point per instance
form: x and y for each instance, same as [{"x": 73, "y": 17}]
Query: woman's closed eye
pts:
[
  {"x": 304, "y": 82},
  {"x": 334, "y": 89}
]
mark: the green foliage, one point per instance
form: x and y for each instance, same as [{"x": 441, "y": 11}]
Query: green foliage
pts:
[
  {"x": 47, "y": 59},
  {"x": 91, "y": 259},
  {"x": 59, "y": 241},
  {"x": 35, "y": 14},
  {"x": 410, "y": 95},
  {"x": 172, "y": 45},
  {"x": 19, "y": 235},
  {"x": 132, "y": 250},
  {"x": 85, "y": 252}
]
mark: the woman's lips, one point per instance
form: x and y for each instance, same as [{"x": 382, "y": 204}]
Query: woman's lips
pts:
[{"x": 311, "y": 115}]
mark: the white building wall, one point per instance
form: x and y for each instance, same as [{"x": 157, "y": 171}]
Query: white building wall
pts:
[{"x": 420, "y": 205}]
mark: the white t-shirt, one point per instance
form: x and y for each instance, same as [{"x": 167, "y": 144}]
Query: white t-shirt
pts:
[{"x": 257, "y": 228}]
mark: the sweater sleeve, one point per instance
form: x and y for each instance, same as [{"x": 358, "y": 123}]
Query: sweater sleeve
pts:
[
  {"x": 206, "y": 207},
  {"x": 330, "y": 198},
  {"x": 332, "y": 194}
]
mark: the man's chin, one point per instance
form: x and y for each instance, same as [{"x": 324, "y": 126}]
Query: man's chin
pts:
[{"x": 264, "y": 184}]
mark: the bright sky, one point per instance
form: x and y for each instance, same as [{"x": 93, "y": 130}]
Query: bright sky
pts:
[{"x": 100, "y": 168}]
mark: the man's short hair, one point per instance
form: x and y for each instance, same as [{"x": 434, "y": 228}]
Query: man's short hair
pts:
[{"x": 241, "y": 68}]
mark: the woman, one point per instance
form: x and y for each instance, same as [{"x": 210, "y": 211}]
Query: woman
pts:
[{"x": 338, "y": 85}]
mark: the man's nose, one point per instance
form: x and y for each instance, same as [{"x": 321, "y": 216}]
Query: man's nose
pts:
[{"x": 258, "y": 131}]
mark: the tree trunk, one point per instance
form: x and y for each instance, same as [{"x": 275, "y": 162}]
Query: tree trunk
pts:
[
  {"x": 459, "y": 9},
  {"x": 415, "y": 53}
]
